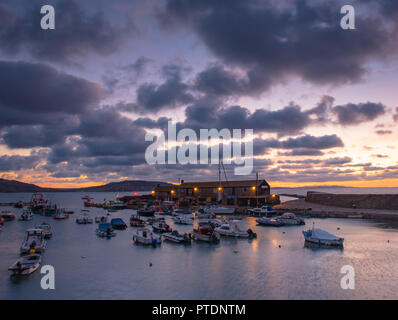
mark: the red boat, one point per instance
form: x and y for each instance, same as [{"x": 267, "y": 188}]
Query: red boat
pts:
[
  {"x": 88, "y": 201},
  {"x": 7, "y": 216},
  {"x": 60, "y": 216}
]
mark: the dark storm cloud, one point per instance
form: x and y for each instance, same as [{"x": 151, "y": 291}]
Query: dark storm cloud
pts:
[
  {"x": 40, "y": 88},
  {"x": 15, "y": 163},
  {"x": 274, "y": 41},
  {"x": 301, "y": 152},
  {"x": 152, "y": 97},
  {"x": 353, "y": 114},
  {"x": 77, "y": 32}
]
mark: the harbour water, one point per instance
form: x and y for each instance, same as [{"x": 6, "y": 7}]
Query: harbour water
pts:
[{"x": 276, "y": 265}]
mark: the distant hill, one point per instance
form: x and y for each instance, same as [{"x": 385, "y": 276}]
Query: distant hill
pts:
[{"x": 122, "y": 186}]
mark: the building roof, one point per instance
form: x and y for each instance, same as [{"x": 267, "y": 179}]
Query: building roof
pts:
[
  {"x": 215, "y": 184},
  {"x": 165, "y": 188}
]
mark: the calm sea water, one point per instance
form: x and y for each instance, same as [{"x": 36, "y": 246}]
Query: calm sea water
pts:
[{"x": 88, "y": 267}]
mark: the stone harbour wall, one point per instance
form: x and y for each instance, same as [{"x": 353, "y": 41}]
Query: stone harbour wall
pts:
[{"x": 359, "y": 201}]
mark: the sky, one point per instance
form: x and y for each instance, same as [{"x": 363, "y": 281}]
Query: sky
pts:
[{"x": 76, "y": 102}]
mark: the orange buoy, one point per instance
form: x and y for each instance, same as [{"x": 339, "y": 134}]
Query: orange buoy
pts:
[{"x": 150, "y": 264}]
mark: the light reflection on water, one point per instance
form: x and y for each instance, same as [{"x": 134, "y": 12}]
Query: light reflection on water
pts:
[{"x": 87, "y": 267}]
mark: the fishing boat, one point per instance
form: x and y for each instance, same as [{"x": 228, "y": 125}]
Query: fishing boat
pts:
[
  {"x": 232, "y": 229},
  {"x": 7, "y": 216},
  {"x": 25, "y": 265},
  {"x": 183, "y": 219},
  {"x": 84, "y": 218},
  {"x": 290, "y": 219},
  {"x": 161, "y": 227},
  {"x": 265, "y": 221},
  {"x": 26, "y": 215},
  {"x": 105, "y": 230},
  {"x": 118, "y": 224},
  {"x": 146, "y": 237},
  {"x": 136, "y": 221},
  {"x": 206, "y": 234},
  {"x": 322, "y": 238},
  {"x": 88, "y": 201},
  {"x": 176, "y": 237},
  {"x": 34, "y": 241},
  {"x": 46, "y": 228},
  {"x": 146, "y": 212},
  {"x": 102, "y": 219},
  {"x": 60, "y": 215}
]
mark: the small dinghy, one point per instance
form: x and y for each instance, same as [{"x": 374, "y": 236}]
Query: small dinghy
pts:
[
  {"x": 290, "y": 219},
  {"x": 118, "y": 224},
  {"x": 26, "y": 215},
  {"x": 136, "y": 221},
  {"x": 7, "y": 216},
  {"x": 322, "y": 238},
  {"x": 103, "y": 219},
  {"x": 34, "y": 242},
  {"x": 183, "y": 219},
  {"x": 176, "y": 237},
  {"x": 265, "y": 221},
  {"x": 84, "y": 218},
  {"x": 146, "y": 237},
  {"x": 26, "y": 265},
  {"x": 206, "y": 234},
  {"x": 105, "y": 230},
  {"x": 60, "y": 215},
  {"x": 161, "y": 227},
  {"x": 46, "y": 228},
  {"x": 232, "y": 229}
]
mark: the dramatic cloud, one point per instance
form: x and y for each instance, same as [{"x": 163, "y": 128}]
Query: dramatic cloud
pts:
[
  {"x": 77, "y": 32},
  {"x": 15, "y": 163},
  {"x": 353, "y": 114}
]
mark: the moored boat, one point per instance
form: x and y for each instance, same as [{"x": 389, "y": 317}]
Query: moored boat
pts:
[
  {"x": 34, "y": 241},
  {"x": 137, "y": 221},
  {"x": 118, "y": 224},
  {"x": 206, "y": 234},
  {"x": 146, "y": 237},
  {"x": 26, "y": 265},
  {"x": 161, "y": 227},
  {"x": 146, "y": 212},
  {"x": 232, "y": 229},
  {"x": 102, "y": 219},
  {"x": 105, "y": 230},
  {"x": 322, "y": 238},
  {"x": 26, "y": 215},
  {"x": 219, "y": 210},
  {"x": 183, "y": 219},
  {"x": 7, "y": 216},
  {"x": 46, "y": 228},
  {"x": 60, "y": 215},
  {"x": 84, "y": 218},
  {"x": 176, "y": 237},
  {"x": 290, "y": 219},
  {"x": 265, "y": 221}
]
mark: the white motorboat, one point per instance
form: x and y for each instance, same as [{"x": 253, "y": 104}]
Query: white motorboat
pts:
[
  {"x": 26, "y": 265},
  {"x": 46, "y": 228},
  {"x": 176, "y": 237},
  {"x": 263, "y": 211},
  {"x": 161, "y": 227},
  {"x": 212, "y": 222},
  {"x": 290, "y": 219},
  {"x": 322, "y": 238},
  {"x": 26, "y": 215},
  {"x": 84, "y": 218},
  {"x": 265, "y": 221},
  {"x": 219, "y": 210},
  {"x": 183, "y": 219},
  {"x": 102, "y": 219},
  {"x": 232, "y": 229},
  {"x": 34, "y": 241},
  {"x": 146, "y": 237}
]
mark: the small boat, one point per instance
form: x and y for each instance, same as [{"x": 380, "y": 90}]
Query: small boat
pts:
[
  {"x": 146, "y": 212},
  {"x": 212, "y": 222},
  {"x": 176, "y": 237},
  {"x": 26, "y": 215},
  {"x": 322, "y": 238},
  {"x": 19, "y": 204},
  {"x": 34, "y": 241},
  {"x": 166, "y": 211},
  {"x": 265, "y": 221},
  {"x": 66, "y": 211},
  {"x": 202, "y": 214},
  {"x": 161, "y": 227},
  {"x": 46, "y": 228},
  {"x": 232, "y": 229},
  {"x": 60, "y": 215},
  {"x": 136, "y": 221},
  {"x": 26, "y": 265},
  {"x": 179, "y": 212},
  {"x": 146, "y": 237},
  {"x": 206, "y": 234},
  {"x": 263, "y": 211},
  {"x": 84, "y": 218},
  {"x": 118, "y": 224},
  {"x": 105, "y": 230},
  {"x": 7, "y": 216},
  {"x": 183, "y": 219},
  {"x": 290, "y": 219},
  {"x": 218, "y": 210},
  {"x": 102, "y": 219}
]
